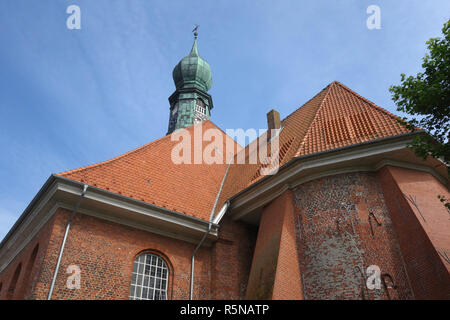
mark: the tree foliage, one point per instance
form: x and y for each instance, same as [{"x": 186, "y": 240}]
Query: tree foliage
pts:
[{"x": 426, "y": 97}]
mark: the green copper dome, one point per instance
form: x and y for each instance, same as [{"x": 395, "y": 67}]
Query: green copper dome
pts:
[{"x": 192, "y": 71}]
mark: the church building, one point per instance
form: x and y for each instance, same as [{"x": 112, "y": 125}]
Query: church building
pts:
[{"x": 350, "y": 213}]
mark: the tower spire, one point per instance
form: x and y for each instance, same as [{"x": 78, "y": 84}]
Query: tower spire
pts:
[
  {"x": 194, "y": 50},
  {"x": 195, "y": 31},
  {"x": 190, "y": 103}
]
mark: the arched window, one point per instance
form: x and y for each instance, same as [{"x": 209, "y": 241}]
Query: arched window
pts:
[
  {"x": 28, "y": 270},
  {"x": 12, "y": 285},
  {"x": 150, "y": 278}
]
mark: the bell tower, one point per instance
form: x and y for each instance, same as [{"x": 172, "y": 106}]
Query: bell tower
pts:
[{"x": 190, "y": 103}]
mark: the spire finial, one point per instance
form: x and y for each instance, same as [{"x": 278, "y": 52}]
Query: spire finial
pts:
[{"x": 195, "y": 31}]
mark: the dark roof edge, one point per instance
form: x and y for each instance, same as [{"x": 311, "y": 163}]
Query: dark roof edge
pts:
[
  {"x": 295, "y": 159},
  {"x": 55, "y": 177},
  {"x": 136, "y": 201},
  {"x": 24, "y": 214}
]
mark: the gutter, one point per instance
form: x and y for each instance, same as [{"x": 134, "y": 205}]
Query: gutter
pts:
[
  {"x": 193, "y": 223},
  {"x": 54, "y": 178},
  {"x": 74, "y": 212},
  {"x": 191, "y": 290},
  {"x": 136, "y": 201}
]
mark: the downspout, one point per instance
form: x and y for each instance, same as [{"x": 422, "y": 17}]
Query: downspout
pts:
[
  {"x": 61, "y": 250},
  {"x": 191, "y": 292}
]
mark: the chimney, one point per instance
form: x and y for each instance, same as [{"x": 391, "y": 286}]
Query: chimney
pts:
[{"x": 273, "y": 122}]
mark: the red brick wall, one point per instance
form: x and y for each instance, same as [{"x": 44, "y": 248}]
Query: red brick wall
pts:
[
  {"x": 30, "y": 272},
  {"x": 323, "y": 223},
  {"x": 105, "y": 252},
  {"x": 334, "y": 237},
  {"x": 271, "y": 258},
  {"x": 422, "y": 189},
  {"x": 421, "y": 231},
  {"x": 287, "y": 278},
  {"x": 231, "y": 259}
]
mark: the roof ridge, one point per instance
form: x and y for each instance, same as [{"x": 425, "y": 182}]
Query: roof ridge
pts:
[
  {"x": 367, "y": 100},
  {"x": 112, "y": 159},
  {"x": 307, "y": 102},
  {"x": 315, "y": 116},
  {"x": 135, "y": 150},
  {"x": 292, "y": 113}
]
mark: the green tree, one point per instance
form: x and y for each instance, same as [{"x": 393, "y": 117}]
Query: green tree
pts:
[{"x": 426, "y": 98}]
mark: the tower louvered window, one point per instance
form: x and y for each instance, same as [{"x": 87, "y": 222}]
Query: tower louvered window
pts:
[{"x": 200, "y": 106}]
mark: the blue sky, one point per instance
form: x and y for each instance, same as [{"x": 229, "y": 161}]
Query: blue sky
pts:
[{"x": 70, "y": 98}]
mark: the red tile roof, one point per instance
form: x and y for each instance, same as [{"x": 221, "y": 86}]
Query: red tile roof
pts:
[
  {"x": 334, "y": 118},
  {"x": 148, "y": 174},
  {"x": 345, "y": 118}
]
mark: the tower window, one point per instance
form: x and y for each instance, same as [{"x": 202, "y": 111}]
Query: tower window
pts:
[
  {"x": 200, "y": 106},
  {"x": 150, "y": 278}
]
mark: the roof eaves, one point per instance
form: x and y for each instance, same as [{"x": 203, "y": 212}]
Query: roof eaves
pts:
[
  {"x": 135, "y": 201},
  {"x": 321, "y": 153},
  {"x": 27, "y": 210}
]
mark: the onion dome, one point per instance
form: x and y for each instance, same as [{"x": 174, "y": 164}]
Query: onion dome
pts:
[{"x": 192, "y": 71}]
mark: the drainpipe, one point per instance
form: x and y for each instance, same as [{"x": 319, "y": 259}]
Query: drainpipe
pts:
[
  {"x": 191, "y": 292},
  {"x": 61, "y": 250}
]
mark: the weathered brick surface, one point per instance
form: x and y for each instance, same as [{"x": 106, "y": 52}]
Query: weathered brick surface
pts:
[
  {"x": 309, "y": 244},
  {"x": 265, "y": 257},
  {"x": 287, "y": 278},
  {"x": 231, "y": 259},
  {"x": 421, "y": 230},
  {"x": 105, "y": 252},
  {"x": 335, "y": 239},
  {"x": 274, "y": 273},
  {"x": 31, "y": 261}
]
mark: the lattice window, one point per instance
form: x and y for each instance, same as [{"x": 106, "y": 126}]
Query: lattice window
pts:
[
  {"x": 150, "y": 278},
  {"x": 200, "y": 107}
]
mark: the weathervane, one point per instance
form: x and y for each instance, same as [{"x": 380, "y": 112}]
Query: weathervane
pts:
[{"x": 195, "y": 31}]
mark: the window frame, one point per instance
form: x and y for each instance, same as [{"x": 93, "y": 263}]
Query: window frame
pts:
[
  {"x": 169, "y": 278},
  {"x": 200, "y": 108}
]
